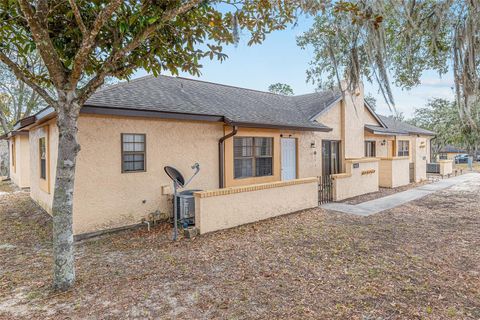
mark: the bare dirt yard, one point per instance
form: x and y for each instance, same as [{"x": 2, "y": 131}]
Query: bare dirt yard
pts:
[{"x": 417, "y": 261}]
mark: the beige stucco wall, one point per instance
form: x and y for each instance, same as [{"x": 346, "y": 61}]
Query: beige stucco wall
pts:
[
  {"x": 107, "y": 198},
  {"x": 446, "y": 167},
  {"x": 419, "y": 153},
  {"x": 354, "y": 125},
  {"x": 252, "y": 203},
  {"x": 383, "y": 149},
  {"x": 368, "y": 117},
  {"x": 309, "y": 148},
  {"x": 41, "y": 191},
  {"x": 348, "y": 119},
  {"x": 356, "y": 181},
  {"x": 393, "y": 172},
  {"x": 20, "y": 173},
  {"x": 419, "y": 156},
  {"x": 332, "y": 118}
]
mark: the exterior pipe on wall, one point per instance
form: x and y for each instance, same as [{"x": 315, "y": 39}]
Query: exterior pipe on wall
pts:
[{"x": 221, "y": 153}]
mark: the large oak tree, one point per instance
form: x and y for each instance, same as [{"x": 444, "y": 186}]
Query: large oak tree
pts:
[
  {"x": 83, "y": 42},
  {"x": 387, "y": 41}
]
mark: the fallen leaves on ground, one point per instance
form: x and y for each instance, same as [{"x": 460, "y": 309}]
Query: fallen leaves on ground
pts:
[{"x": 417, "y": 261}]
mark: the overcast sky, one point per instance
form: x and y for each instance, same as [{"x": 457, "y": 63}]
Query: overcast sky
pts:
[{"x": 279, "y": 59}]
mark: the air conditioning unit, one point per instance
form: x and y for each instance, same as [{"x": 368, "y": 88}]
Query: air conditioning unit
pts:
[{"x": 186, "y": 207}]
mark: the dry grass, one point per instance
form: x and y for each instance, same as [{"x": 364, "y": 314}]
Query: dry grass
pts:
[
  {"x": 418, "y": 261},
  {"x": 464, "y": 166},
  {"x": 6, "y": 186}
]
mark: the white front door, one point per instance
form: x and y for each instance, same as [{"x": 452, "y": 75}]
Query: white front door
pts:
[{"x": 289, "y": 159}]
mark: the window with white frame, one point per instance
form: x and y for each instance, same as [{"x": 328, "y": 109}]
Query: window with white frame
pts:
[
  {"x": 403, "y": 148},
  {"x": 133, "y": 152}
]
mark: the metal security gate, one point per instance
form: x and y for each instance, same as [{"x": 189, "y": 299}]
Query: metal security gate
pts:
[{"x": 325, "y": 189}]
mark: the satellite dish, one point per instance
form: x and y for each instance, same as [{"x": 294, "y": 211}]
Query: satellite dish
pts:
[{"x": 175, "y": 175}]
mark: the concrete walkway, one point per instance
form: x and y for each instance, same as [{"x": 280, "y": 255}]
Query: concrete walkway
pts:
[{"x": 374, "y": 206}]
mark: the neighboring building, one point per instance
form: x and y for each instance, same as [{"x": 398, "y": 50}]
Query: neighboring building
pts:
[
  {"x": 246, "y": 141},
  {"x": 19, "y": 152},
  {"x": 449, "y": 152},
  {"x": 400, "y": 139},
  {"x": 4, "y": 158}
]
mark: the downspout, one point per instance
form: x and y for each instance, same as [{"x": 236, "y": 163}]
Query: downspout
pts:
[{"x": 221, "y": 155}]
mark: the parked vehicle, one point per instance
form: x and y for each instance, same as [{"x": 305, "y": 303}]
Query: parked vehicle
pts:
[{"x": 461, "y": 158}]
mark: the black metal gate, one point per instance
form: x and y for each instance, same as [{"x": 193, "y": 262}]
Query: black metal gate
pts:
[{"x": 325, "y": 189}]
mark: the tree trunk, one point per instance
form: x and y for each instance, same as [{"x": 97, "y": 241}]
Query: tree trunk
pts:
[{"x": 64, "y": 269}]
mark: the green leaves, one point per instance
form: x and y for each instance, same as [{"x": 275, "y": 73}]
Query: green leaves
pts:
[
  {"x": 178, "y": 43},
  {"x": 281, "y": 88}
]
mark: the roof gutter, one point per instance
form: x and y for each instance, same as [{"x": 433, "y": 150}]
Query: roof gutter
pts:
[
  {"x": 12, "y": 134},
  {"x": 281, "y": 127},
  {"x": 87, "y": 109},
  {"x": 221, "y": 156}
]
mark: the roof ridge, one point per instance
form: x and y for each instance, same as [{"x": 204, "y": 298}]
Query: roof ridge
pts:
[{"x": 228, "y": 86}]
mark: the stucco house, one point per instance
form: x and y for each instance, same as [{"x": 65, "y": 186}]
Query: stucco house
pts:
[
  {"x": 449, "y": 152},
  {"x": 260, "y": 153}
]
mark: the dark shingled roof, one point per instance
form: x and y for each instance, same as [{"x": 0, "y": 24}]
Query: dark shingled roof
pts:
[
  {"x": 236, "y": 105},
  {"x": 394, "y": 126},
  {"x": 452, "y": 149}
]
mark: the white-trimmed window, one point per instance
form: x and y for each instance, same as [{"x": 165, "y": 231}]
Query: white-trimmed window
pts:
[
  {"x": 133, "y": 152},
  {"x": 253, "y": 157},
  {"x": 403, "y": 148}
]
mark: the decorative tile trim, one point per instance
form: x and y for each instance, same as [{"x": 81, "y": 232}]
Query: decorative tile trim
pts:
[
  {"x": 394, "y": 158},
  {"x": 253, "y": 187},
  {"x": 361, "y": 160},
  {"x": 341, "y": 175}
]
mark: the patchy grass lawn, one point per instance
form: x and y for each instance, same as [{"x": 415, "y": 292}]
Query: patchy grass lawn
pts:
[{"x": 418, "y": 261}]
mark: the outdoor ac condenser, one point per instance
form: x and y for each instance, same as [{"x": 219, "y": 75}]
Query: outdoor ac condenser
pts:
[{"x": 186, "y": 207}]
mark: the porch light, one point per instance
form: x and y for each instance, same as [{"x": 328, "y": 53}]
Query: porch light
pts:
[{"x": 312, "y": 144}]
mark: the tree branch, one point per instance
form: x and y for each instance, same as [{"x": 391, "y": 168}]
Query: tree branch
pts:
[
  {"x": 110, "y": 66},
  {"x": 3, "y": 122},
  {"x": 89, "y": 41},
  {"x": 147, "y": 32},
  {"x": 98, "y": 80},
  {"x": 42, "y": 12},
  {"x": 44, "y": 45},
  {"x": 78, "y": 17},
  {"x": 28, "y": 79}
]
